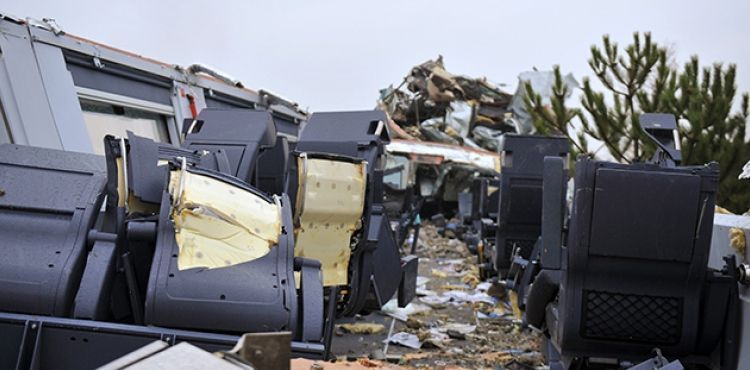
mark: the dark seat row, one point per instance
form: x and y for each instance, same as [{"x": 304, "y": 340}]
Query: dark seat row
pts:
[
  {"x": 68, "y": 253},
  {"x": 625, "y": 270}
]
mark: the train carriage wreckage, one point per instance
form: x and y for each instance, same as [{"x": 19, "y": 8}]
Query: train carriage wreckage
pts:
[{"x": 142, "y": 202}]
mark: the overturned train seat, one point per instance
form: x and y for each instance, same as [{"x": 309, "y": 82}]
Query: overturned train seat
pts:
[
  {"x": 49, "y": 200},
  {"x": 248, "y": 141},
  {"x": 336, "y": 182},
  {"x": 478, "y": 209},
  {"x": 223, "y": 252},
  {"x": 116, "y": 279},
  {"x": 629, "y": 273},
  {"x": 519, "y": 214}
]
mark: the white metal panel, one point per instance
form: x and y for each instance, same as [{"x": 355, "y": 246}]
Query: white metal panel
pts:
[
  {"x": 4, "y": 135},
  {"x": 22, "y": 92},
  {"x": 125, "y": 101},
  {"x": 62, "y": 98}
]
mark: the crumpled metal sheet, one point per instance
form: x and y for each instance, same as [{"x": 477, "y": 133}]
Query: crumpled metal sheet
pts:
[
  {"x": 330, "y": 202},
  {"x": 542, "y": 83},
  {"x": 437, "y": 153},
  {"x": 218, "y": 224}
]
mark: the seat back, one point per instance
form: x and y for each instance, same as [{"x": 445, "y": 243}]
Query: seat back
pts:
[
  {"x": 520, "y": 197},
  {"x": 49, "y": 200},
  {"x": 223, "y": 258},
  {"x": 272, "y": 167},
  {"x": 637, "y": 255},
  {"x": 242, "y": 134},
  {"x": 330, "y": 201},
  {"x": 351, "y": 138}
]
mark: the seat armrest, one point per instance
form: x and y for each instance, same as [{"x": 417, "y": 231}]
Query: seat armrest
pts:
[{"x": 310, "y": 297}]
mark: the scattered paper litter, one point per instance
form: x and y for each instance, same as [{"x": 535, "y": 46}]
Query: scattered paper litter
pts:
[
  {"x": 402, "y": 314},
  {"x": 461, "y": 296},
  {"x": 435, "y": 300},
  {"x": 404, "y": 339}
]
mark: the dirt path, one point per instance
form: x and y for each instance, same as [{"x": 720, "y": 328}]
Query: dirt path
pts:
[{"x": 463, "y": 323}]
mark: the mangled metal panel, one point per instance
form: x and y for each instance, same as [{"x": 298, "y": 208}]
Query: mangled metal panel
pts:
[
  {"x": 542, "y": 82},
  {"x": 435, "y": 105},
  {"x": 330, "y": 202},
  {"x": 218, "y": 224},
  {"x": 438, "y": 154}
]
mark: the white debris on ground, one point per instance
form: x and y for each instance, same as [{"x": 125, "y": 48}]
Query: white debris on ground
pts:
[{"x": 457, "y": 321}]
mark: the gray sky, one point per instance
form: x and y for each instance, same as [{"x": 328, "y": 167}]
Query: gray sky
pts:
[{"x": 335, "y": 55}]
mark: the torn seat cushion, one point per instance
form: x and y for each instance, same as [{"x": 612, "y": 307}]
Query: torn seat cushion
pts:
[
  {"x": 218, "y": 224},
  {"x": 223, "y": 260},
  {"x": 329, "y": 206}
]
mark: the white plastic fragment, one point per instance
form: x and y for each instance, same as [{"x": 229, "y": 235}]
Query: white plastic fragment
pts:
[{"x": 404, "y": 339}]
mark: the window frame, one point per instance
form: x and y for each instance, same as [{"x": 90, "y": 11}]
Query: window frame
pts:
[{"x": 166, "y": 112}]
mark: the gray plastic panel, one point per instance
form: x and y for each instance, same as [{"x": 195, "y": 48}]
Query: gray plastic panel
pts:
[
  {"x": 627, "y": 206},
  {"x": 48, "y": 204}
]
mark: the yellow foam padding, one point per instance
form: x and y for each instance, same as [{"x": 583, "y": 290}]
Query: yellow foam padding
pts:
[
  {"x": 120, "y": 182},
  {"x": 330, "y": 201},
  {"x": 514, "y": 304},
  {"x": 218, "y": 224}
]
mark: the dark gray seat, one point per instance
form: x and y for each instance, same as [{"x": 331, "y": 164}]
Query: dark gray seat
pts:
[
  {"x": 49, "y": 200},
  {"x": 257, "y": 295},
  {"x": 520, "y": 209},
  {"x": 632, "y": 273},
  {"x": 254, "y": 296},
  {"x": 376, "y": 270},
  {"x": 240, "y": 134}
]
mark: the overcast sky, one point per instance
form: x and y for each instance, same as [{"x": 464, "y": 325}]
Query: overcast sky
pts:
[{"x": 335, "y": 55}]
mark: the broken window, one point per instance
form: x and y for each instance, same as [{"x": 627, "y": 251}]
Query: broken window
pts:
[{"x": 108, "y": 119}]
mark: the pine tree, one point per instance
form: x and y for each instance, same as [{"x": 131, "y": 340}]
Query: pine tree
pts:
[{"x": 643, "y": 80}]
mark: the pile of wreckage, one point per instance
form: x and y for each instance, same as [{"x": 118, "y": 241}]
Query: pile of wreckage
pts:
[
  {"x": 439, "y": 106},
  {"x": 449, "y": 129},
  {"x": 432, "y": 104}
]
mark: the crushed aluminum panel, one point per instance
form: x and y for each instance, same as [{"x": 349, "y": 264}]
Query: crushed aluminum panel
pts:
[
  {"x": 330, "y": 201},
  {"x": 446, "y": 153},
  {"x": 218, "y": 224}
]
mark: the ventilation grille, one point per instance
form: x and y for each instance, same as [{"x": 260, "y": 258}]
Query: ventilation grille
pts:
[{"x": 626, "y": 317}]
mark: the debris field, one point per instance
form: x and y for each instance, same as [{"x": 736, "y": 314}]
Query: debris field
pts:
[{"x": 457, "y": 322}]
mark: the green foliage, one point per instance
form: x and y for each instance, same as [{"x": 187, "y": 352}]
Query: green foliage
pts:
[{"x": 643, "y": 80}]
